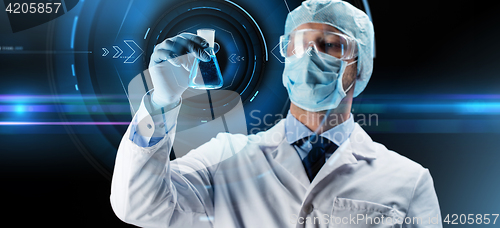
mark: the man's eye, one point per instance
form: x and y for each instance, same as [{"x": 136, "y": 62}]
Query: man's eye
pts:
[{"x": 333, "y": 45}]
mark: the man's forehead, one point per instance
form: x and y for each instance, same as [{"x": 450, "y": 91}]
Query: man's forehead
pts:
[{"x": 319, "y": 26}]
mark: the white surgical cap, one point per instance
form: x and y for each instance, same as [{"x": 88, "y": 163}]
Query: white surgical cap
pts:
[{"x": 346, "y": 18}]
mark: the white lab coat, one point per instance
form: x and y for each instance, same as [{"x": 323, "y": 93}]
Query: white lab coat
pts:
[{"x": 259, "y": 181}]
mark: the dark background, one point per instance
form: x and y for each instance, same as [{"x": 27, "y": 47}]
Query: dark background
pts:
[{"x": 423, "y": 47}]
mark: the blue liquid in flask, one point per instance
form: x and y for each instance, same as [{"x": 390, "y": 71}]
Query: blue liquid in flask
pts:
[{"x": 206, "y": 75}]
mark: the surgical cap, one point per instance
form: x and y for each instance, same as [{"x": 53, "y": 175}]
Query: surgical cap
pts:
[{"x": 346, "y": 18}]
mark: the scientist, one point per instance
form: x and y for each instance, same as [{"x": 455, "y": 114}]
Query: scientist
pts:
[{"x": 309, "y": 170}]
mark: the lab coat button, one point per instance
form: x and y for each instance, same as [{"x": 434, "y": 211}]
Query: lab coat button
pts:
[{"x": 308, "y": 209}]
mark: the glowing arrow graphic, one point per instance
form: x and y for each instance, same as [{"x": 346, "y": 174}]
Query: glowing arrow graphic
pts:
[
  {"x": 133, "y": 57},
  {"x": 308, "y": 51},
  {"x": 278, "y": 53},
  {"x": 231, "y": 58},
  {"x": 106, "y": 52},
  {"x": 118, "y": 52}
]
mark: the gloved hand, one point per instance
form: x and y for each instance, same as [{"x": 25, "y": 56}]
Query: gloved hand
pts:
[{"x": 169, "y": 79}]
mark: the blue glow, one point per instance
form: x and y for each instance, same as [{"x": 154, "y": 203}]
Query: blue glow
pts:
[
  {"x": 146, "y": 35},
  {"x": 392, "y": 113},
  {"x": 478, "y": 108},
  {"x": 254, "y": 96},
  {"x": 76, "y": 87},
  {"x": 73, "y": 69},
  {"x": 73, "y": 31},
  {"x": 20, "y": 109},
  {"x": 431, "y": 107},
  {"x": 205, "y": 7}
]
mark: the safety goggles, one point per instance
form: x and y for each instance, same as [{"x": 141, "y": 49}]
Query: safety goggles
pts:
[{"x": 303, "y": 41}]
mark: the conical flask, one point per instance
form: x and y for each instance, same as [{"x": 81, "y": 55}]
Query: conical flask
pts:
[{"x": 206, "y": 75}]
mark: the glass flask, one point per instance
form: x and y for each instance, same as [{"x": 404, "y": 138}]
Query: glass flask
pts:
[{"x": 206, "y": 75}]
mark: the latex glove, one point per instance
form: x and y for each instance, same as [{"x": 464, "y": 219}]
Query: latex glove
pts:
[{"x": 169, "y": 79}]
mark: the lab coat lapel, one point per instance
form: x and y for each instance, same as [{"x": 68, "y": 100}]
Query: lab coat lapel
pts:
[{"x": 286, "y": 156}]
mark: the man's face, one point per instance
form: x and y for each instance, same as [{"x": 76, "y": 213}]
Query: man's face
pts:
[{"x": 351, "y": 70}]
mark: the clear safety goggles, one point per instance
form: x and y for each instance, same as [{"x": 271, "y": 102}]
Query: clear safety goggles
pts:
[{"x": 301, "y": 42}]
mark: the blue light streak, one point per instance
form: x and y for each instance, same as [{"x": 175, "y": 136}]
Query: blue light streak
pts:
[
  {"x": 73, "y": 31},
  {"x": 254, "y": 96},
  {"x": 444, "y": 113},
  {"x": 20, "y": 109},
  {"x": 205, "y": 7},
  {"x": 146, "y": 35}
]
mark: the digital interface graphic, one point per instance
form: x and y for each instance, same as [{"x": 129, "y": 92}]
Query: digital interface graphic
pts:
[{"x": 74, "y": 74}]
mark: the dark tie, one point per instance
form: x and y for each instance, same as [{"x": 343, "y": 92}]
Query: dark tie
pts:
[{"x": 316, "y": 157}]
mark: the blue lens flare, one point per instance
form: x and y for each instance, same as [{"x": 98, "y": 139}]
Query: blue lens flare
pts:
[
  {"x": 444, "y": 113},
  {"x": 19, "y": 109}
]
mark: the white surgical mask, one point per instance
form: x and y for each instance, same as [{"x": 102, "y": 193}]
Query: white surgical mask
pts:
[{"x": 314, "y": 82}]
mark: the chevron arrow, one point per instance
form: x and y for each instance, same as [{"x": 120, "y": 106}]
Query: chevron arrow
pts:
[
  {"x": 308, "y": 51},
  {"x": 231, "y": 58},
  {"x": 134, "y": 56},
  {"x": 276, "y": 52},
  {"x": 118, "y": 52},
  {"x": 106, "y": 52}
]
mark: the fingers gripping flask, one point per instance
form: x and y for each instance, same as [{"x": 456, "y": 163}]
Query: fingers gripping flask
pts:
[{"x": 206, "y": 75}]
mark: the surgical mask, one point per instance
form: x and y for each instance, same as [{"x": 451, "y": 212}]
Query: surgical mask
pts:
[
  {"x": 350, "y": 21},
  {"x": 314, "y": 81}
]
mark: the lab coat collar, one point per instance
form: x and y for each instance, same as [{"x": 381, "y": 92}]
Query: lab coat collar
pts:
[
  {"x": 359, "y": 146},
  {"x": 295, "y": 130}
]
